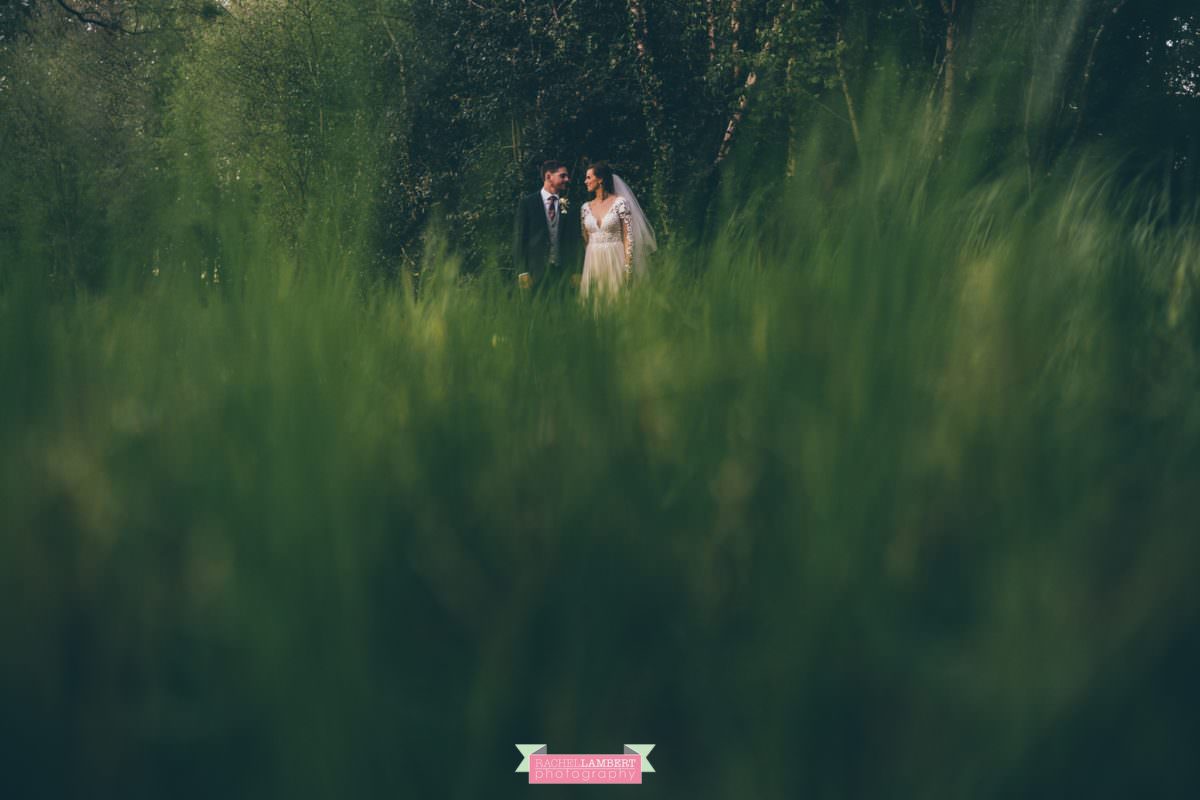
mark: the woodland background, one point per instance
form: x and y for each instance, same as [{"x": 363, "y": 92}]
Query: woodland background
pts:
[
  {"x": 881, "y": 484},
  {"x": 406, "y": 111}
]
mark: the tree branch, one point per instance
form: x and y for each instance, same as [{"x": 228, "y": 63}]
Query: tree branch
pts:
[{"x": 92, "y": 18}]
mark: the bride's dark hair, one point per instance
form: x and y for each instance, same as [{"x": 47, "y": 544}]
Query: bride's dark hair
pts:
[{"x": 604, "y": 172}]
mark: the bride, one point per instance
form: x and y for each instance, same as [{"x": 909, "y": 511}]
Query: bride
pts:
[{"x": 616, "y": 233}]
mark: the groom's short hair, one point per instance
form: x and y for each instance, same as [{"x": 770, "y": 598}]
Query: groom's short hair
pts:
[{"x": 551, "y": 166}]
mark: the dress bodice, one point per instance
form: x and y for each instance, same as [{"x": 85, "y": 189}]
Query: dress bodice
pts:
[{"x": 608, "y": 229}]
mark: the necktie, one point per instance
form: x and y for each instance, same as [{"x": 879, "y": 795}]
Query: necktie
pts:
[{"x": 553, "y": 208}]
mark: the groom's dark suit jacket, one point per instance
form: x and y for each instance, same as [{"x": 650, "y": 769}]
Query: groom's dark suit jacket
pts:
[{"x": 531, "y": 241}]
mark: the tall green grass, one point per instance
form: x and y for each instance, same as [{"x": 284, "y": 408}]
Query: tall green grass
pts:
[{"x": 887, "y": 489}]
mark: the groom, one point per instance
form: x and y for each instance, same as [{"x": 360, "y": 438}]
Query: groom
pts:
[{"x": 546, "y": 237}]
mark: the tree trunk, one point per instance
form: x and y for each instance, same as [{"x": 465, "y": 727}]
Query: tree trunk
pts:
[
  {"x": 793, "y": 132},
  {"x": 950, "y": 69},
  {"x": 736, "y": 119},
  {"x": 735, "y": 27},
  {"x": 744, "y": 101},
  {"x": 1081, "y": 95},
  {"x": 711, "y": 18},
  {"x": 652, "y": 109},
  {"x": 841, "y": 71}
]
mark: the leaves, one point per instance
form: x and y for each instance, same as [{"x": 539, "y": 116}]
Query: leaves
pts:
[{"x": 444, "y": 108}]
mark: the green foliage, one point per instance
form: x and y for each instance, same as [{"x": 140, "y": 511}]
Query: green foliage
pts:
[
  {"x": 881, "y": 485},
  {"x": 278, "y": 95},
  {"x": 887, "y": 490},
  {"x": 396, "y": 112}
]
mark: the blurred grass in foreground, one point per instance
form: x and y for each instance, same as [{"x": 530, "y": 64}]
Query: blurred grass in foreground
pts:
[{"x": 888, "y": 491}]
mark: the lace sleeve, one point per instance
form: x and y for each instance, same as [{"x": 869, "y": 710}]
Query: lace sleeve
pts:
[
  {"x": 583, "y": 223},
  {"x": 626, "y": 234}
]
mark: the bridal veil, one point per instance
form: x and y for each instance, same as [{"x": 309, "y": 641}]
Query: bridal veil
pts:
[{"x": 640, "y": 231}]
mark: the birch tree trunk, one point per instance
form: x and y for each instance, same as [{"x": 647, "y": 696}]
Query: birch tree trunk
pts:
[
  {"x": 743, "y": 104},
  {"x": 850, "y": 111},
  {"x": 950, "y": 68}
]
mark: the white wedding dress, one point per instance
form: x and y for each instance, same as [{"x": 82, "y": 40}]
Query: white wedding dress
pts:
[{"x": 609, "y": 248}]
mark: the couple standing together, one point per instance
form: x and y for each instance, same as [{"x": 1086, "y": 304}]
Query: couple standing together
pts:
[{"x": 611, "y": 228}]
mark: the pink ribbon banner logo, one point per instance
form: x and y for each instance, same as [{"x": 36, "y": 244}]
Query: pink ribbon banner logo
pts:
[{"x": 625, "y": 768}]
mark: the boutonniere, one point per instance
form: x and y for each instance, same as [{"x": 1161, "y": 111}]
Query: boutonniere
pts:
[{"x": 564, "y": 206}]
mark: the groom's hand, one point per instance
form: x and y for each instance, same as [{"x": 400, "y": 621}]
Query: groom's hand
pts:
[{"x": 525, "y": 280}]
